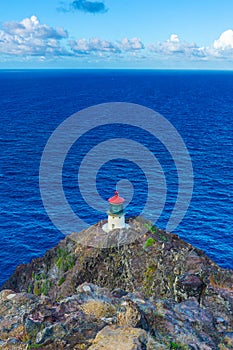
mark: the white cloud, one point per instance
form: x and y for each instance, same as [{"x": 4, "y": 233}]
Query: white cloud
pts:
[
  {"x": 94, "y": 45},
  {"x": 174, "y": 46},
  {"x": 130, "y": 44},
  {"x": 225, "y": 41},
  {"x": 30, "y": 37},
  {"x": 98, "y": 46},
  {"x": 174, "y": 38},
  {"x": 222, "y": 48},
  {"x": 32, "y": 27}
]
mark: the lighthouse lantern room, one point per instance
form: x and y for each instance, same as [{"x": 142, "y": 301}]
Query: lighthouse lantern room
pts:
[{"x": 116, "y": 214}]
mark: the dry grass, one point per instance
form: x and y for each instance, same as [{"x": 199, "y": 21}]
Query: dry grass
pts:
[
  {"x": 98, "y": 309},
  {"x": 218, "y": 284},
  {"x": 130, "y": 317}
]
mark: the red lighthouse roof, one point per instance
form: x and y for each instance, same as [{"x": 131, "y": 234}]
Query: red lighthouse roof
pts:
[{"x": 116, "y": 199}]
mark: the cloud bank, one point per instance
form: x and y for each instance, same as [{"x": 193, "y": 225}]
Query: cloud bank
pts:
[{"x": 30, "y": 38}]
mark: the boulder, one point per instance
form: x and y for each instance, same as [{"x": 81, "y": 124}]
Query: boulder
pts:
[{"x": 118, "y": 338}]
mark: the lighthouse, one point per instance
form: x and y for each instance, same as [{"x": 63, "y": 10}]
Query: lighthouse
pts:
[{"x": 116, "y": 214}]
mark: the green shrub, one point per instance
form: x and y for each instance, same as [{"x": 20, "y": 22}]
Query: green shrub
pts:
[
  {"x": 36, "y": 289},
  {"x": 149, "y": 242},
  {"x": 177, "y": 346},
  {"x": 35, "y": 346},
  {"x": 162, "y": 237},
  {"x": 65, "y": 261},
  {"x": 45, "y": 287},
  {"x": 151, "y": 227},
  {"x": 61, "y": 280}
]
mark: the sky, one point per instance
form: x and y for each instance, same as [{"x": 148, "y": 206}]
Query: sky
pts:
[{"x": 148, "y": 34}]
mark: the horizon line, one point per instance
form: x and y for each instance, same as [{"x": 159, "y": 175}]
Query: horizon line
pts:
[{"x": 118, "y": 68}]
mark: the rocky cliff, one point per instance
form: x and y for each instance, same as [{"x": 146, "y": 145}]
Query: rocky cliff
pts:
[{"x": 149, "y": 291}]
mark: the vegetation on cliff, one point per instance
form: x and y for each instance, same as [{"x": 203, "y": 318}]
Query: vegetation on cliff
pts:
[{"x": 152, "y": 292}]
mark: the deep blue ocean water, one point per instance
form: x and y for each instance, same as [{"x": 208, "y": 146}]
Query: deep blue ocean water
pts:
[{"x": 33, "y": 103}]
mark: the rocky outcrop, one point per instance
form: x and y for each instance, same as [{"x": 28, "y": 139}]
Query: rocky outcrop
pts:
[{"x": 152, "y": 292}]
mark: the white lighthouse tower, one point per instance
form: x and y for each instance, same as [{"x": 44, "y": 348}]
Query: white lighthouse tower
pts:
[{"x": 116, "y": 214}]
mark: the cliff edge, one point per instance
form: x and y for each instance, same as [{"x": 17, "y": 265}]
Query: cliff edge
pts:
[{"x": 149, "y": 291}]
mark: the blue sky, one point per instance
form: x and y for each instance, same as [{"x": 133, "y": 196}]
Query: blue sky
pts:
[{"x": 116, "y": 34}]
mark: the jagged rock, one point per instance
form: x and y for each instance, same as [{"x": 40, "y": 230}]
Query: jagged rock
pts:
[
  {"x": 118, "y": 293},
  {"x": 189, "y": 285},
  {"x": 51, "y": 333}
]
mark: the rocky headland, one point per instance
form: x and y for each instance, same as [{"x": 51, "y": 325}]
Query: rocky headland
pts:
[{"x": 143, "y": 289}]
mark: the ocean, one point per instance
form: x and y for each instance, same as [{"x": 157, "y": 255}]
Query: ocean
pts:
[{"x": 199, "y": 104}]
